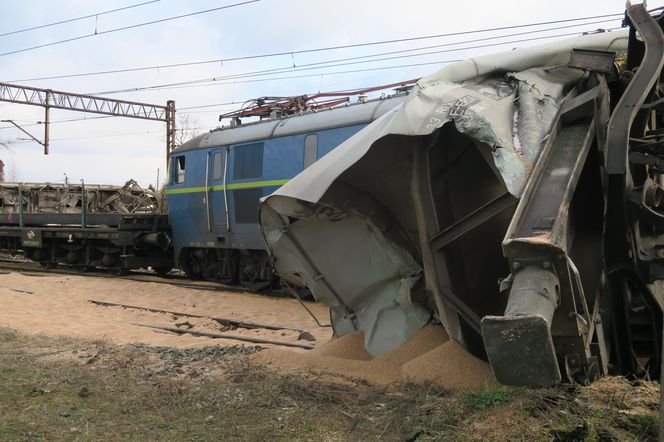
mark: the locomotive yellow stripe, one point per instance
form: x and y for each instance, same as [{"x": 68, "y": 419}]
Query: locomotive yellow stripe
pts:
[
  {"x": 252, "y": 185},
  {"x": 185, "y": 190},
  {"x": 232, "y": 186}
]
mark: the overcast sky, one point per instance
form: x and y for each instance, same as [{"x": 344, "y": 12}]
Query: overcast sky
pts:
[{"x": 112, "y": 150}]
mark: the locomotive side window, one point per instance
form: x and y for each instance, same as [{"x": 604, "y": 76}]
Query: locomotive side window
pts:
[
  {"x": 310, "y": 150},
  {"x": 217, "y": 168},
  {"x": 178, "y": 173},
  {"x": 248, "y": 161}
]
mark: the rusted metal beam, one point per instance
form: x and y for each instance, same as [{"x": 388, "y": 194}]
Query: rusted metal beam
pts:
[
  {"x": 29, "y": 134},
  {"x": 637, "y": 91},
  {"x": 48, "y": 98},
  {"x": 170, "y": 127},
  {"x": 628, "y": 278},
  {"x": 86, "y": 103}
]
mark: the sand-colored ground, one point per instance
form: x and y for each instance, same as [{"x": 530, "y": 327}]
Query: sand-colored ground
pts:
[
  {"x": 428, "y": 357},
  {"x": 58, "y": 305}
]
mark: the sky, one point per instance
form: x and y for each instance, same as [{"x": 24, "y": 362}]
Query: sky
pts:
[{"x": 114, "y": 150}]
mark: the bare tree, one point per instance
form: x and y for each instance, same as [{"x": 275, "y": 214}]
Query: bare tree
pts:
[
  {"x": 5, "y": 144},
  {"x": 186, "y": 128},
  {"x": 11, "y": 171}
]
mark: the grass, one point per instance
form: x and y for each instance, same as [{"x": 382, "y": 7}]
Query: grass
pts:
[
  {"x": 489, "y": 397},
  {"x": 60, "y": 389}
]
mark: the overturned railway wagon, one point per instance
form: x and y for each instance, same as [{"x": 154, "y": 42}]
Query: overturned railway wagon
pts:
[
  {"x": 86, "y": 226},
  {"x": 516, "y": 198}
]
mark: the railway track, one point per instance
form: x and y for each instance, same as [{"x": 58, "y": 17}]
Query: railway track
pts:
[
  {"x": 34, "y": 269},
  {"x": 178, "y": 322}
]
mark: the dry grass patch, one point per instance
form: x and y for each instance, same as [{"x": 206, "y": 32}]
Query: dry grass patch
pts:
[{"x": 98, "y": 391}]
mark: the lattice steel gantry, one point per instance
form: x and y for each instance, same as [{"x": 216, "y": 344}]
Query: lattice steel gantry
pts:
[{"x": 48, "y": 98}]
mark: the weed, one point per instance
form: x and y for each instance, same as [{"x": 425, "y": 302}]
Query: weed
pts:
[
  {"x": 489, "y": 397},
  {"x": 582, "y": 432},
  {"x": 645, "y": 426},
  {"x": 7, "y": 334}
]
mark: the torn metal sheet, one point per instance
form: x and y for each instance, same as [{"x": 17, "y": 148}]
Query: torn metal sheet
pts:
[
  {"x": 354, "y": 227},
  {"x": 371, "y": 291}
]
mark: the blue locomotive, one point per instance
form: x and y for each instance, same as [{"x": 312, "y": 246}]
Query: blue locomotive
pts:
[{"x": 217, "y": 179}]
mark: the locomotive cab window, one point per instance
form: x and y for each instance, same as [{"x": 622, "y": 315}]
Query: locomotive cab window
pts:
[
  {"x": 178, "y": 170},
  {"x": 310, "y": 150},
  {"x": 248, "y": 161},
  {"x": 217, "y": 166}
]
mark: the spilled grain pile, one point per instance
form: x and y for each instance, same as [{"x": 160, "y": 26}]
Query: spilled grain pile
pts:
[{"x": 429, "y": 356}]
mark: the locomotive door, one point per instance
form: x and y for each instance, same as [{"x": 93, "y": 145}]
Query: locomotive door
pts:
[{"x": 217, "y": 197}]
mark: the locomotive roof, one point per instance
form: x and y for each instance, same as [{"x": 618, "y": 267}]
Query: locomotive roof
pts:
[{"x": 356, "y": 113}]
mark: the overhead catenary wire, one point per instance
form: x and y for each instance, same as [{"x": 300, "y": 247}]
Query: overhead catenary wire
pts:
[
  {"x": 326, "y": 64},
  {"x": 70, "y": 20},
  {"x": 71, "y": 120},
  {"x": 319, "y": 74},
  {"x": 124, "y": 28},
  {"x": 184, "y": 110},
  {"x": 180, "y": 110},
  {"x": 225, "y": 104},
  {"x": 123, "y": 134},
  {"x": 322, "y": 49},
  {"x": 238, "y": 102},
  {"x": 287, "y": 78}
]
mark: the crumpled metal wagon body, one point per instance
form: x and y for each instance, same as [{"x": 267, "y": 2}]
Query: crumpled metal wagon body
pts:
[{"x": 514, "y": 198}]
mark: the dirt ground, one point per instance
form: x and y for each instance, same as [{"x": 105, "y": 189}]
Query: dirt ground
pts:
[
  {"x": 57, "y": 305},
  {"x": 71, "y": 370}
]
